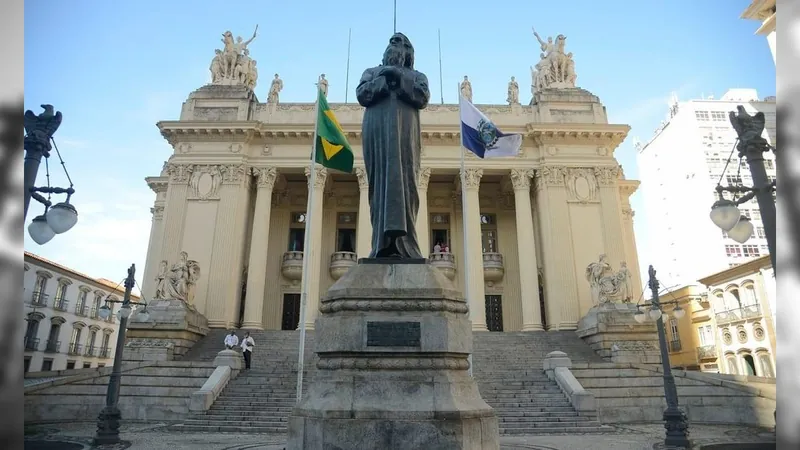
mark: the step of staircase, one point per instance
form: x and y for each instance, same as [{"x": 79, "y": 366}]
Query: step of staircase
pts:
[{"x": 507, "y": 369}]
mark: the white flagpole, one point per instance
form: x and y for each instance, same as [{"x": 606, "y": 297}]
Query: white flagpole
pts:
[
  {"x": 467, "y": 291},
  {"x": 307, "y": 249}
]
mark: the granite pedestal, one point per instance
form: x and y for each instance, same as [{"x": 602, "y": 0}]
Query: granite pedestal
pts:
[
  {"x": 173, "y": 328},
  {"x": 613, "y": 333},
  {"x": 393, "y": 342}
]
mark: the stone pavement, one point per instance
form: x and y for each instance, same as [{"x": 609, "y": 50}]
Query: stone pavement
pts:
[{"x": 155, "y": 436}]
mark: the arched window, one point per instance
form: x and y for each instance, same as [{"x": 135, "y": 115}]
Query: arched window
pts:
[
  {"x": 60, "y": 302},
  {"x": 81, "y": 308},
  {"x": 98, "y": 302},
  {"x": 733, "y": 301},
  {"x": 90, "y": 342},
  {"x": 39, "y": 296},
  {"x": 730, "y": 360},
  {"x": 75, "y": 346},
  {"x": 32, "y": 331},
  {"x": 750, "y": 295},
  {"x": 53, "y": 336},
  {"x": 748, "y": 365},
  {"x": 719, "y": 302},
  {"x": 765, "y": 363}
]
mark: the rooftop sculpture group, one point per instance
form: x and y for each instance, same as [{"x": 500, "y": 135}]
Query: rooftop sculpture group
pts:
[
  {"x": 556, "y": 69},
  {"x": 232, "y": 66}
]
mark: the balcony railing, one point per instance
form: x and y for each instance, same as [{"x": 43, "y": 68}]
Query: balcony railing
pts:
[
  {"x": 341, "y": 262},
  {"x": 745, "y": 312},
  {"x": 292, "y": 266},
  {"x": 75, "y": 348},
  {"x": 82, "y": 310},
  {"x": 493, "y": 269},
  {"x": 675, "y": 346},
  {"x": 444, "y": 261},
  {"x": 31, "y": 344},
  {"x": 91, "y": 351},
  {"x": 94, "y": 313},
  {"x": 706, "y": 352},
  {"x": 105, "y": 352},
  {"x": 52, "y": 346},
  {"x": 61, "y": 304},
  {"x": 39, "y": 299}
]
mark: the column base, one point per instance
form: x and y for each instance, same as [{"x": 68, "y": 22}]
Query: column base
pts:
[
  {"x": 479, "y": 327},
  {"x": 309, "y": 327},
  {"x": 532, "y": 327},
  {"x": 252, "y": 326}
]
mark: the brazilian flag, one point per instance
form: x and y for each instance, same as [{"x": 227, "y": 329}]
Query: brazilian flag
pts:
[{"x": 331, "y": 149}]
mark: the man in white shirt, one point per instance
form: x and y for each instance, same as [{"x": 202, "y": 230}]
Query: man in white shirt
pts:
[
  {"x": 231, "y": 340},
  {"x": 247, "y": 349}
]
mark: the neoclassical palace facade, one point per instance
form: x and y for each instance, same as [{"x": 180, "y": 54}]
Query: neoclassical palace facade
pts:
[{"x": 233, "y": 196}]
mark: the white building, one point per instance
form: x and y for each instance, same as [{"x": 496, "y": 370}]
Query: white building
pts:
[
  {"x": 64, "y": 330},
  {"x": 680, "y": 168},
  {"x": 765, "y": 11}
]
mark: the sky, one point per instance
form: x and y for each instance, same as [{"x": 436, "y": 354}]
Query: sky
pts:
[{"x": 114, "y": 69}]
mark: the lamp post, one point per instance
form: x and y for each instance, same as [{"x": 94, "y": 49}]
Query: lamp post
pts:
[
  {"x": 724, "y": 213},
  {"x": 58, "y": 218},
  {"x": 108, "y": 421},
  {"x": 675, "y": 422}
]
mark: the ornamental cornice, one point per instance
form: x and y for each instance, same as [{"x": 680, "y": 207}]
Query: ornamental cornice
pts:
[
  {"x": 431, "y": 108},
  {"x": 157, "y": 184},
  {"x": 628, "y": 187}
]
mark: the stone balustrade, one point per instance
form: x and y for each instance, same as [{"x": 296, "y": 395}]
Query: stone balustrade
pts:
[
  {"x": 493, "y": 269},
  {"x": 706, "y": 352},
  {"x": 341, "y": 262},
  {"x": 446, "y": 262},
  {"x": 292, "y": 265}
]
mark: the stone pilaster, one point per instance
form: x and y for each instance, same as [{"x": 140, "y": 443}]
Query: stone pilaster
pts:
[
  {"x": 159, "y": 186},
  {"x": 364, "y": 226},
  {"x": 225, "y": 273},
  {"x": 423, "y": 230},
  {"x": 175, "y": 211},
  {"x": 528, "y": 267},
  {"x": 559, "y": 258},
  {"x": 474, "y": 271},
  {"x": 614, "y": 242},
  {"x": 259, "y": 243},
  {"x": 627, "y": 188},
  {"x": 312, "y": 252}
]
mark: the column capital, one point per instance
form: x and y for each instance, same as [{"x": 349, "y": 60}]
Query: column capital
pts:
[
  {"x": 320, "y": 177},
  {"x": 472, "y": 178},
  {"x": 265, "y": 176},
  {"x": 423, "y": 178},
  {"x": 157, "y": 211},
  {"x": 608, "y": 175},
  {"x": 521, "y": 179},
  {"x": 363, "y": 182}
]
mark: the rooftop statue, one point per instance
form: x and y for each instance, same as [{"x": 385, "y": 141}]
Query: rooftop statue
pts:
[
  {"x": 556, "y": 68},
  {"x": 232, "y": 66}
]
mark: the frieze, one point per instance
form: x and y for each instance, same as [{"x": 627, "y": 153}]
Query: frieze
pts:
[
  {"x": 183, "y": 147},
  {"x": 179, "y": 173},
  {"x": 205, "y": 182},
  {"x": 234, "y": 173},
  {"x": 635, "y": 345},
  {"x": 266, "y": 150},
  {"x": 236, "y": 147},
  {"x": 148, "y": 342},
  {"x": 441, "y": 202},
  {"x": 216, "y": 114},
  {"x": 608, "y": 175},
  {"x": 486, "y": 109},
  {"x": 550, "y": 176},
  {"x": 403, "y": 363},
  {"x": 331, "y": 306},
  {"x": 581, "y": 185},
  {"x": 265, "y": 176}
]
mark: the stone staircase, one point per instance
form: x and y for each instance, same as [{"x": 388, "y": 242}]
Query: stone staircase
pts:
[{"x": 508, "y": 367}]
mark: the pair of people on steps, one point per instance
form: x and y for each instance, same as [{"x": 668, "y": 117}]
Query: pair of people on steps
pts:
[{"x": 247, "y": 345}]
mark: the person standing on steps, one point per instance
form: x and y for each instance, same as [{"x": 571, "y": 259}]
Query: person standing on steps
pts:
[
  {"x": 247, "y": 349},
  {"x": 231, "y": 340}
]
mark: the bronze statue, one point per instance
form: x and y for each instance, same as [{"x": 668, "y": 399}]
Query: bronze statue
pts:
[{"x": 393, "y": 94}]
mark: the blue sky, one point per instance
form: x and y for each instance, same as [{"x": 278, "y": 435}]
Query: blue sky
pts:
[{"x": 116, "y": 68}]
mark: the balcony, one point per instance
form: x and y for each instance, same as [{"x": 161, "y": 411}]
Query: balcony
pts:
[
  {"x": 446, "y": 262},
  {"x": 341, "y": 262},
  {"x": 31, "y": 344},
  {"x": 675, "y": 346},
  {"x": 39, "y": 299},
  {"x": 105, "y": 352},
  {"x": 493, "y": 270},
  {"x": 75, "y": 349},
  {"x": 706, "y": 352},
  {"x": 82, "y": 310},
  {"x": 745, "y": 312},
  {"x": 52, "y": 346},
  {"x": 61, "y": 304},
  {"x": 292, "y": 266},
  {"x": 91, "y": 351}
]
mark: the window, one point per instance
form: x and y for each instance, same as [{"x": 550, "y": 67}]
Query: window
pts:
[
  {"x": 90, "y": 343},
  {"x": 489, "y": 233},
  {"x": 31, "y": 331},
  {"x": 87, "y": 365},
  {"x": 750, "y": 295},
  {"x": 80, "y": 306},
  {"x": 733, "y": 251},
  {"x": 74, "y": 342},
  {"x": 99, "y": 365},
  {"x": 706, "y": 335},
  {"x": 346, "y": 233},
  {"x": 719, "y": 116},
  {"x": 733, "y": 180},
  {"x": 760, "y": 232},
  {"x": 731, "y": 361},
  {"x": 756, "y": 215},
  {"x": 440, "y": 231},
  {"x": 53, "y": 343},
  {"x": 47, "y": 365},
  {"x": 70, "y": 365},
  {"x": 60, "y": 302},
  {"x": 296, "y": 239},
  {"x": 750, "y": 250},
  {"x": 673, "y": 329},
  {"x": 766, "y": 365},
  {"x": 39, "y": 296},
  {"x": 769, "y": 164},
  {"x": 27, "y": 365},
  {"x": 749, "y": 365},
  {"x": 98, "y": 300},
  {"x": 701, "y": 116}
]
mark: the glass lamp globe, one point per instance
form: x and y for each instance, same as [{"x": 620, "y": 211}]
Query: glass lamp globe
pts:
[
  {"x": 654, "y": 314},
  {"x": 640, "y": 317},
  {"x": 664, "y": 317},
  {"x": 40, "y": 230},
  {"x": 679, "y": 312},
  {"x": 143, "y": 316},
  {"x": 104, "y": 312},
  {"x": 62, "y": 217},
  {"x": 742, "y": 231},
  {"x": 124, "y": 312},
  {"x": 725, "y": 214}
]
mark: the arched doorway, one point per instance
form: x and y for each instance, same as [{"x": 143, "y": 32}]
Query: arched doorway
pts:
[{"x": 749, "y": 365}]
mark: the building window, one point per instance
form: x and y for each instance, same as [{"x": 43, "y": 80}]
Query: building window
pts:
[
  {"x": 489, "y": 233},
  {"x": 80, "y": 306},
  {"x": 748, "y": 365},
  {"x": 296, "y": 239},
  {"x": 60, "y": 302},
  {"x": 766, "y": 365},
  {"x": 706, "y": 335},
  {"x": 39, "y": 296},
  {"x": 440, "y": 232},
  {"x": 760, "y": 232},
  {"x": 769, "y": 164},
  {"x": 90, "y": 348},
  {"x": 675, "y": 338},
  {"x": 733, "y": 251},
  {"x": 731, "y": 362},
  {"x": 750, "y": 295},
  {"x": 750, "y": 250},
  {"x": 31, "y": 331},
  {"x": 733, "y": 180},
  {"x": 719, "y": 116},
  {"x": 27, "y": 365},
  {"x": 755, "y": 215},
  {"x": 346, "y": 233},
  {"x": 98, "y": 300},
  {"x": 53, "y": 343},
  {"x": 87, "y": 365},
  {"x": 47, "y": 365},
  {"x": 70, "y": 365},
  {"x": 702, "y": 116}
]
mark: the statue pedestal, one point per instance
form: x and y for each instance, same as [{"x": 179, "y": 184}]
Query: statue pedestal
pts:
[
  {"x": 393, "y": 342},
  {"x": 613, "y": 333},
  {"x": 173, "y": 328}
]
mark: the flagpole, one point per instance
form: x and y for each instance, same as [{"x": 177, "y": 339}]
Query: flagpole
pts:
[
  {"x": 467, "y": 290},
  {"x": 307, "y": 249},
  {"x": 395, "y": 16},
  {"x": 441, "y": 84},
  {"x": 347, "y": 77}
]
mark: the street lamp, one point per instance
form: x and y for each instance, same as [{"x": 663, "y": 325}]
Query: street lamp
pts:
[
  {"x": 58, "y": 218},
  {"x": 675, "y": 421},
  {"x": 725, "y": 213},
  {"x": 109, "y": 419}
]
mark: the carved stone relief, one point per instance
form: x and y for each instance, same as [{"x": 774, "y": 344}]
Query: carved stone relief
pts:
[
  {"x": 236, "y": 147},
  {"x": 319, "y": 178},
  {"x": 205, "y": 182},
  {"x": 184, "y": 147},
  {"x": 472, "y": 178},
  {"x": 179, "y": 173},
  {"x": 607, "y": 176},
  {"x": 521, "y": 179},
  {"x": 347, "y": 200},
  {"x": 234, "y": 173},
  {"x": 424, "y": 178},
  {"x": 363, "y": 182},
  {"x": 266, "y": 150},
  {"x": 265, "y": 176},
  {"x": 441, "y": 202},
  {"x": 157, "y": 211},
  {"x": 550, "y": 176},
  {"x": 581, "y": 185}
]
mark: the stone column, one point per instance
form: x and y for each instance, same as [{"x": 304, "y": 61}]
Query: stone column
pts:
[
  {"x": 423, "y": 230},
  {"x": 364, "y": 226},
  {"x": 614, "y": 243},
  {"x": 159, "y": 186},
  {"x": 526, "y": 241},
  {"x": 259, "y": 242},
  {"x": 631, "y": 254},
  {"x": 560, "y": 281},
  {"x": 471, "y": 214},
  {"x": 313, "y": 252},
  {"x": 175, "y": 211}
]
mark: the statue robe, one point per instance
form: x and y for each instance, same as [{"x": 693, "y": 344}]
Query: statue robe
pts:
[{"x": 391, "y": 142}]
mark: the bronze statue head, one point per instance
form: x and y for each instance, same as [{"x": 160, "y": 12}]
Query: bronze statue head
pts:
[{"x": 400, "y": 52}]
